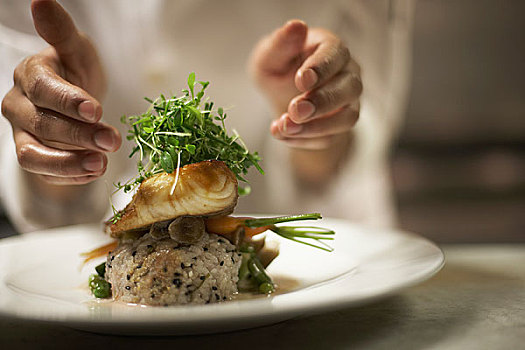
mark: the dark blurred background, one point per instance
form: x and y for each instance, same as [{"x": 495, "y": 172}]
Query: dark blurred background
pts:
[{"x": 459, "y": 165}]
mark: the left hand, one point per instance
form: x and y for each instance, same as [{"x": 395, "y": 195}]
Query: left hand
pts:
[{"x": 312, "y": 82}]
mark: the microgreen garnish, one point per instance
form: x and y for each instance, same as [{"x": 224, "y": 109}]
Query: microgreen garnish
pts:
[
  {"x": 299, "y": 234},
  {"x": 177, "y": 131}
]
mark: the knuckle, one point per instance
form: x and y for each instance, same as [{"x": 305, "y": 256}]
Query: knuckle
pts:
[
  {"x": 351, "y": 117},
  {"x": 345, "y": 53},
  {"x": 6, "y": 106},
  {"x": 36, "y": 86},
  {"x": 18, "y": 73},
  {"x": 326, "y": 98},
  {"x": 62, "y": 100},
  {"x": 75, "y": 135},
  {"x": 40, "y": 124},
  {"x": 326, "y": 63},
  {"x": 357, "y": 85}
]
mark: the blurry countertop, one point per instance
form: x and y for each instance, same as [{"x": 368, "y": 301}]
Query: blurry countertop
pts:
[{"x": 476, "y": 302}]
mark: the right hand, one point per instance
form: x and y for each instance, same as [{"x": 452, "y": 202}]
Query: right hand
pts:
[{"x": 54, "y": 106}]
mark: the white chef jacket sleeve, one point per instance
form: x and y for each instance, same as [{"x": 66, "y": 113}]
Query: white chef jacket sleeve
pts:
[
  {"x": 26, "y": 210},
  {"x": 360, "y": 190}
]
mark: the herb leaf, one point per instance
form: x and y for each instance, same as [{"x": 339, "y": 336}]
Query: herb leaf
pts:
[{"x": 184, "y": 127}]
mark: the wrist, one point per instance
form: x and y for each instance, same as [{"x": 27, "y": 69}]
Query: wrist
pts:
[{"x": 314, "y": 168}]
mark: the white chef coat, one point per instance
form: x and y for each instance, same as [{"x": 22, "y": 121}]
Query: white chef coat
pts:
[{"x": 149, "y": 47}]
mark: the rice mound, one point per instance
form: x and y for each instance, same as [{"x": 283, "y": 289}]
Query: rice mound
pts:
[{"x": 164, "y": 272}]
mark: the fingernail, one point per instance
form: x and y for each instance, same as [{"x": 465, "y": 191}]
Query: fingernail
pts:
[
  {"x": 309, "y": 78},
  {"x": 291, "y": 128},
  {"x": 305, "y": 109},
  {"x": 87, "y": 110},
  {"x": 104, "y": 139},
  {"x": 93, "y": 162}
]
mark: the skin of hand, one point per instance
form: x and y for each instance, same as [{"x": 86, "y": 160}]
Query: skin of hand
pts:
[
  {"x": 314, "y": 86},
  {"x": 54, "y": 106}
]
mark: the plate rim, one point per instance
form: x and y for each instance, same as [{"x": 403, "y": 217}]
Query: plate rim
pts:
[{"x": 326, "y": 305}]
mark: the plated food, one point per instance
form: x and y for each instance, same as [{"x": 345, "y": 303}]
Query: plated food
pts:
[{"x": 175, "y": 241}]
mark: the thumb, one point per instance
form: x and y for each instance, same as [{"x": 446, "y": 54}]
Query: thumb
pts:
[
  {"x": 56, "y": 26},
  {"x": 279, "y": 52}
]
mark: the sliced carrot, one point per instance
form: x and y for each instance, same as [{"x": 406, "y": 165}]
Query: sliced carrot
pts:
[
  {"x": 252, "y": 231},
  {"x": 100, "y": 251},
  {"x": 224, "y": 225},
  {"x": 227, "y": 225}
]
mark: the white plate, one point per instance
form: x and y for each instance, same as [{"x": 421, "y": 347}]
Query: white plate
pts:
[{"x": 40, "y": 279}]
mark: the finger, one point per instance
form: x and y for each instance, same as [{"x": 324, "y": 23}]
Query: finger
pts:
[
  {"x": 317, "y": 143},
  {"x": 281, "y": 51},
  {"x": 79, "y": 180},
  {"x": 329, "y": 57},
  {"x": 39, "y": 159},
  {"x": 56, "y": 27},
  {"x": 338, "y": 122},
  {"x": 48, "y": 125},
  {"x": 343, "y": 89},
  {"x": 39, "y": 81}
]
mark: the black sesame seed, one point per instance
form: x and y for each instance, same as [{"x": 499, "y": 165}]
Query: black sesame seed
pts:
[
  {"x": 223, "y": 298},
  {"x": 128, "y": 277},
  {"x": 139, "y": 266},
  {"x": 194, "y": 258},
  {"x": 152, "y": 295},
  {"x": 217, "y": 296},
  {"x": 109, "y": 266},
  {"x": 176, "y": 274},
  {"x": 177, "y": 282},
  {"x": 239, "y": 254},
  {"x": 189, "y": 285},
  {"x": 207, "y": 301},
  {"x": 214, "y": 288},
  {"x": 220, "y": 241},
  {"x": 222, "y": 263},
  {"x": 202, "y": 278},
  {"x": 134, "y": 253},
  {"x": 233, "y": 260},
  {"x": 205, "y": 249},
  {"x": 165, "y": 269},
  {"x": 128, "y": 287},
  {"x": 182, "y": 265},
  {"x": 112, "y": 258},
  {"x": 149, "y": 246}
]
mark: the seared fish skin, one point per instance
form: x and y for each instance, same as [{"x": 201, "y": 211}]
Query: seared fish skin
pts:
[{"x": 203, "y": 189}]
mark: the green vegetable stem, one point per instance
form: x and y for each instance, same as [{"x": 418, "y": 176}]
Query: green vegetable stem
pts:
[{"x": 99, "y": 286}]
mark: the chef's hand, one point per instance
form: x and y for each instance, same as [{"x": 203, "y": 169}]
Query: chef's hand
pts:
[
  {"x": 54, "y": 106},
  {"x": 313, "y": 83}
]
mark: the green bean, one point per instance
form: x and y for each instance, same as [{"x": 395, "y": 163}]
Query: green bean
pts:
[
  {"x": 266, "y": 288},
  {"x": 244, "y": 272},
  {"x": 258, "y": 272},
  {"x": 247, "y": 248},
  {"x": 101, "y": 269},
  {"x": 99, "y": 286}
]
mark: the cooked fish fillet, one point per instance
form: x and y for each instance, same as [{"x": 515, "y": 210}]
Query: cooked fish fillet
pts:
[{"x": 203, "y": 189}]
